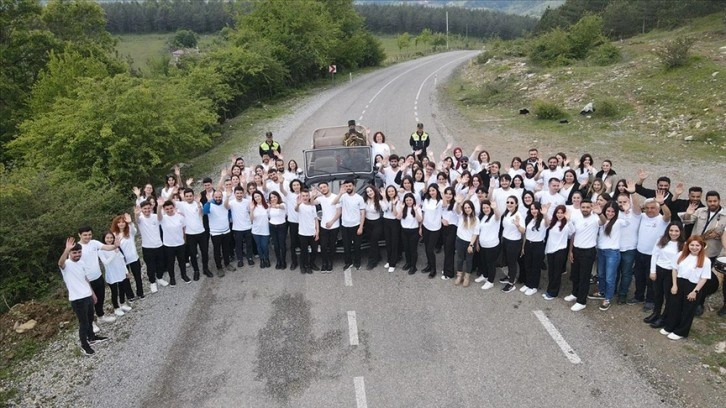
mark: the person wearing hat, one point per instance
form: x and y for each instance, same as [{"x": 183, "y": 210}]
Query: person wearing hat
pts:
[
  {"x": 270, "y": 147},
  {"x": 419, "y": 141},
  {"x": 353, "y": 137}
]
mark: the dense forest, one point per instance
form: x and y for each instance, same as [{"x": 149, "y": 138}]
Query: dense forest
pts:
[{"x": 79, "y": 128}]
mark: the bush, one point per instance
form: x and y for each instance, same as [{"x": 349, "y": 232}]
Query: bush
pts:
[
  {"x": 483, "y": 57},
  {"x": 606, "y": 54},
  {"x": 674, "y": 53},
  {"x": 183, "y": 39},
  {"x": 547, "y": 110},
  {"x": 550, "y": 49},
  {"x": 608, "y": 108}
]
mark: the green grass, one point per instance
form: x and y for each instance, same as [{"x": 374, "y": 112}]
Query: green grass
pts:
[
  {"x": 394, "y": 54},
  {"x": 142, "y": 47}
]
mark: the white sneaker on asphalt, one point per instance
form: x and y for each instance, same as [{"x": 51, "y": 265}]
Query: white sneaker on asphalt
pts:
[
  {"x": 153, "y": 288},
  {"x": 480, "y": 279},
  {"x": 524, "y": 288},
  {"x": 577, "y": 307},
  {"x": 118, "y": 312},
  {"x": 547, "y": 296},
  {"x": 530, "y": 291},
  {"x": 674, "y": 336},
  {"x": 487, "y": 285},
  {"x": 107, "y": 319},
  {"x": 126, "y": 308},
  {"x": 162, "y": 282},
  {"x": 387, "y": 265},
  {"x": 96, "y": 329},
  {"x": 391, "y": 269},
  {"x": 664, "y": 332},
  {"x": 570, "y": 298}
]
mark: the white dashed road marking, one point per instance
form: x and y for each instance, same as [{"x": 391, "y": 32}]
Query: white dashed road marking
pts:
[
  {"x": 352, "y": 329},
  {"x": 348, "y": 277},
  {"x": 557, "y": 337},
  {"x": 360, "y": 392}
]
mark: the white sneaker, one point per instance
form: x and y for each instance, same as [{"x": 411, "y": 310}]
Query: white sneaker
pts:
[
  {"x": 674, "y": 336},
  {"x": 530, "y": 291},
  {"x": 480, "y": 279},
  {"x": 444, "y": 277},
  {"x": 387, "y": 265},
  {"x": 153, "y": 288},
  {"x": 665, "y": 332},
  {"x": 162, "y": 282},
  {"x": 391, "y": 269},
  {"x": 577, "y": 307},
  {"x": 96, "y": 329},
  {"x": 118, "y": 312},
  {"x": 487, "y": 285},
  {"x": 126, "y": 308},
  {"x": 524, "y": 288},
  {"x": 570, "y": 298},
  {"x": 547, "y": 296},
  {"x": 107, "y": 319}
]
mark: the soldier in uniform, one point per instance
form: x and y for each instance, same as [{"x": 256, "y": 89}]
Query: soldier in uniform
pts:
[
  {"x": 353, "y": 137},
  {"x": 419, "y": 141}
]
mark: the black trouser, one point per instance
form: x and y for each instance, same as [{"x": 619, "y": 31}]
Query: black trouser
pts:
[
  {"x": 351, "y": 245},
  {"x": 681, "y": 310},
  {"x": 243, "y": 244},
  {"x": 488, "y": 262},
  {"x": 278, "y": 238},
  {"x": 295, "y": 240},
  {"x": 83, "y": 308},
  {"x": 135, "y": 268},
  {"x": 533, "y": 257},
  {"x": 430, "y": 238},
  {"x": 463, "y": 257},
  {"x": 120, "y": 291},
  {"x": 556, "y": 263},
  {"x": 410, "y": 245},
  {"x": 448, "y": 234},
  {"x": 307, "y": 258},
  {"x": 643, "y": 285},
  {"x": 661, "y": 288},
  {"x": 392, "y": 235},
  {"x": 177, "y": 253},
  {"x": 222, "y": 246},
  {"x": 711, "y": 287},
  {"x": 374, "y": 232},
  {"x": 154, "y": 259},
  {"x": 327, "y": 244},
  {"x": 511, "y": 250},
  {"x": 198, "y": 240},
  {"x": 584, "y": 258},
  {"x": 99, "y": 289}
]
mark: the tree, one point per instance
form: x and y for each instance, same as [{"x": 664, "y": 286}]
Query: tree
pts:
[
  {"x": 584, "y": 35},
  {"x": 438, "y": 40},
  {"x": 403, "y": 41},
  {"x": 424, "y": 37},
  {"x": 183, "y": 39}
]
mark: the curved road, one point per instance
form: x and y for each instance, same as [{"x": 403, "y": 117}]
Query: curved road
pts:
[{"x": 269, "y": 338}]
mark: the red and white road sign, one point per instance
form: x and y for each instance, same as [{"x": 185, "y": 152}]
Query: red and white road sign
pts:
[{"x": 332, "y": 69}]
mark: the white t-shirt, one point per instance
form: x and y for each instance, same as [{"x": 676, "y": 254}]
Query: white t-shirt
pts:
[
  {"x": 489, "y": 232},
  {"x": 277, "y": 215},
  {"x": 611, "y": 241},
  {"x": 218, "y": 219},
  {"x": 583, "y": 175},
  {"x": 535, "y": 235},
  {"x": 650, "y": 230},
  {"x": 173, "y": 228},
  {"x": 240, "y": 211},
  {"x": 530, "y": 184},
  {"x": 665, "y": 257},
  {"x": 557, "y": 240},
  {"x": 548, "y": 174},
  {"x": 500, "y": 195},
  {"x": 74, "y": 275},
  {"x": 149, "y": 229},
  {"x": 449, "y": 215},
  {"x": 89, "y": 258},
  {"x": 629, "y": 234},
  {"x": 687, "y": 269},
  {"x": 328, "y": 210},
  {"x": 467, "y": 233},
  {"x": 371, "y": 212},
  {"x": 388, "y": 208},
  {"x": 351, "y": 205},
  {"x": 544, "y": 197},
  {"x": 192, "y": 216},
  {"x": 290, "y": 204},
  {"x": 115, "y": 265},
  {"x": 510, "y": 224},
  {"x": 390, "y": 175},
  {"x": 128, "y": 245},
  {"x": 308, "y": 217},
  {"x": 381, "y": 148},
  {"x": 410, "y": 221},
  {"x": 586, "y": 229},
  {"x": 260, "y": 221},
  {"x": 431, "y": 214}
]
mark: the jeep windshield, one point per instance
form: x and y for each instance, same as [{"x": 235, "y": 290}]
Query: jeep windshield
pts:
[{"x": 337, "y": 163}]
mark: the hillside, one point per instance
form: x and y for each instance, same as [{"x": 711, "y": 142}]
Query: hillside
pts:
[
  {"x": 522, "y": 7},
  {"x": 652, "y": 113}
]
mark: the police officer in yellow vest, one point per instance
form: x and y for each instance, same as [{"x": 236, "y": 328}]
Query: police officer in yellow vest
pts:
[
  {"x": 270, "y": 147},
  {"x": 419, "y": 141}
]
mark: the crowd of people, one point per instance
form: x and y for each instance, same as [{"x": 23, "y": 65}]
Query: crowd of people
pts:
[{"x": 494, "y": 224}]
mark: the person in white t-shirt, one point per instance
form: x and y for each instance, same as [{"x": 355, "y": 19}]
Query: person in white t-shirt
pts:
[
  {"x": 123, "y": 228},
  {"x": 559, "y": 232},
  {"x": 410, "y": 216},
  {"x": 278, "y": 228},
  {"x": 553, "y": 170},
  {"x": 651, "y": 228},
  {"x": 309, "y": 231},
  {"x": 172, "y": 226},
  {"x": 608, "y": 251},
  {"x": 220, "y": 232},
  {"x": 260, "y": 217},
  {"x": 691, "y": 271},
  {"x": 487, "y": 244},
  {"x": 582, "y": 255},
  {"x": 391, "y": 227},
  {"x": 353, "y": 216},
  {"x": 329, "y": 225},
  {"x": 89, "y": 257},
  {"x": 467, "y": 234},
  {"x": 551, "y": 197},
  {"x": 290, "y": 194},
  {"x": 374, "y": 225},
  {"x": 195, "y": 235},
  {"x": 239, "y": 208},
  {"x": 80, "y": 293},
  {"x": 662, "y": 263},
  {"x": 115, "y": 264}
]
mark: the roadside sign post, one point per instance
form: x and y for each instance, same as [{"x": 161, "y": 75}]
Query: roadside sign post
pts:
[{"x": 332, "y": 69}]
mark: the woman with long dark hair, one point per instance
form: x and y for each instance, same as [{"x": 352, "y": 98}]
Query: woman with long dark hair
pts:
[
  {"x": 391, "y": 227},
  {"x": 559, "y": 232},
  {"x": 466, "y": 237},
  {"x": 488, "y": 243},
  {"x": 260, "y": 217},
  {"x": 608, "y": 252},
  {"x": 373, "y": 227},
  {"x": 449, "y": 221},
  {"x": 410, "y": 216},
  {"x": 662, "y": 262},
  {"x": 278, "y": 228},
  {"x": 512, "y": 231},
  {"x": 125, "y": 231},
  {"x": 533, "y": 250},
  {"x": 431, "y": 208}
]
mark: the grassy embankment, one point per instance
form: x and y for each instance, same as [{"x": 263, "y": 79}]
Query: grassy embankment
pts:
[{"x": 646, "y": 113}]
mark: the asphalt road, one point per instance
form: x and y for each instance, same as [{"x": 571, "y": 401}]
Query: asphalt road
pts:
[{"x": 269, "y": 338}]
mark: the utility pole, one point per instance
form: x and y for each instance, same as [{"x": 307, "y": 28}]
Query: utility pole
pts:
[{"x": 447, "y": 29}]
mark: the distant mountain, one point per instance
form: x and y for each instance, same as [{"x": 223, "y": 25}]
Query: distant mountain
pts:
[{"x": 521, "y": 7}]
